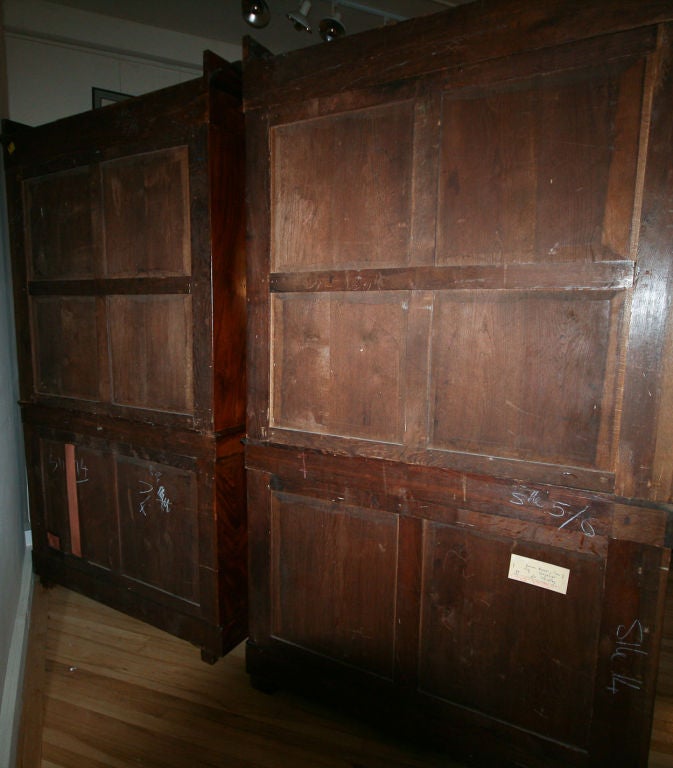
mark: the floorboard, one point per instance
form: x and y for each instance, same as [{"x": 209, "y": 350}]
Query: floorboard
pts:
[
  {"x": 103, "y": 690},
  {"x": 111, "y": 691}
]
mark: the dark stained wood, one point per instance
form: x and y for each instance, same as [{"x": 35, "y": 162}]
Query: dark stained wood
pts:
[
  {"x": 603, "y": 275},
  {"x": 546, "y": 692},
  {"x": 151, "y": 352},
  {"x": 140, "y": 196},
  {"x": 362, "y": 223},
  {"x": 344, "y": 559},
  {"x": 61, "y": 236},
  {"x": 645, "y": 454},
  {"x": 458, "y": 357},
  {"x": 128, "y": 259},
  {"x": 630, "y": 636}
]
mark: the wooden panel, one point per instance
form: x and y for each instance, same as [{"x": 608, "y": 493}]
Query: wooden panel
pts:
[
  {"x": 631, "y": 628},
  {"x": 151, "y": 351},
  {"x": 515, "y": 651},
  {"x": 451, "y": 42},
  {"x": 528, "y": 326},
  {"x": 559, "y": 157},
  {"x": 95, "y": 475},
  {"x": 490, "y": 351},
  {"x": 59, "y": 219},
  {"x": 645, "y": 468},
  {"x": 128, "y": 253},
  {"x": 158, "y": 526},
  {"x": 231, "y": 535},
  {"x": 146, "y": 210},
  {"x": 339, "y": 362},
  {"x": 341, "y": 190},
  {"x": 66, "y": 347},
  {"x": 54, "y": 500},
  {"x": 333, "y": 579}
]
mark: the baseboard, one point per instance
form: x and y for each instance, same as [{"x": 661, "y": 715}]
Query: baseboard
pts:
[{"x": 10, "y": 706}]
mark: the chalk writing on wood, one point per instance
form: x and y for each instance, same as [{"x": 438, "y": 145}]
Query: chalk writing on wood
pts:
[
  {"x": 628, "y": 647},
  {"x": 568, "y": 515},
  {"x": 57, "y": 464},
  {"x": 152, "y": 490}
]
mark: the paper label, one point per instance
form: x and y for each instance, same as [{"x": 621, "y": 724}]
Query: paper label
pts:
[{"x": 539, "y": 574}]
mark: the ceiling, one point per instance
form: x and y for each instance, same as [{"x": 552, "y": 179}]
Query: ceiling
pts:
[{"x": 222, "y": 19}]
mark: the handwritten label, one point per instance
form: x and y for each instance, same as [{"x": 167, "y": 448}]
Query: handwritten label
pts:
[
  {"x": 629, "y": 642},
  {"x": 569, "y": 516},
  {"x": 539, "y": 574}
]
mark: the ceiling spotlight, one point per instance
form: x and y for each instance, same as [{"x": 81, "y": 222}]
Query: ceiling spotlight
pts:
[
  {"x": 331, "y": 27},
  {"x": 255, "y": 12},
  {"x": 300, "y": 18}
]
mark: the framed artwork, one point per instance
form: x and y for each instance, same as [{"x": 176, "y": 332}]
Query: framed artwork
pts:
[{"x": 100, "y": 97}]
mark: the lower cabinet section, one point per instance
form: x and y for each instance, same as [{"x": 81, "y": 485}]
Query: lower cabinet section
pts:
[
  {"x": 156, "y": 532},
  {"x": 511, "y": 633}
]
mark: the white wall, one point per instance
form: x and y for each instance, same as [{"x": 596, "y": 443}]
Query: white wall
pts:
[
  {"x": 57, "y": 54},
  {"x": 54, "y": 56},
  {"x": 14, "y": 578}
]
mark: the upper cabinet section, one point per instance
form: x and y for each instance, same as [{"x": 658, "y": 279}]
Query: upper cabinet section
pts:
[
  {"x": 129, "y": 256},
  {"x": 459, "y": 270}
]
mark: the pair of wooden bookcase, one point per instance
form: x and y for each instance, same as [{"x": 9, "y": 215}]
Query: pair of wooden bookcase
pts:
[{"x": 459, "y": 438}]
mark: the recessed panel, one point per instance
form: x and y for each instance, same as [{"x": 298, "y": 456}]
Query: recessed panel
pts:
[
  {"x": 151, "y": 351},
  {"x": 543, "y": 170},
  {"x": 341, "y": 189},
  {"x": 339, "y": 362},
  {"x": 59, "y": 223},
  {"x": 158, "y": 526},
  {"x": 525, "y": 376},
  {"x": 146, "y": 214},
  {"x": 333, "y": 580},
  {"x": 66, "y": 346},
  {"x": 519, "y": 652}
]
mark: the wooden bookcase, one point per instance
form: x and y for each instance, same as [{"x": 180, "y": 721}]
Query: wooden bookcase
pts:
[
  {"x": 126, "y": 228},
  {"x": 459, "y": 404}
]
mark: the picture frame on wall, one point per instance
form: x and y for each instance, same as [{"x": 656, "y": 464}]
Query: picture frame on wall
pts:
[{"x": 101, "y": 97}]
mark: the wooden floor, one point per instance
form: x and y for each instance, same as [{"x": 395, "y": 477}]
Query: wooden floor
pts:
[{"x": 105, "y": 690}]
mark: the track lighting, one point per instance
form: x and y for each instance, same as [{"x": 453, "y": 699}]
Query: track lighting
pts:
[
  {"x": 331, "y": 27},
  {"x": 300, "y": 18},
  {"x": 255, "y": 12}
]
